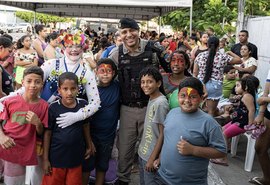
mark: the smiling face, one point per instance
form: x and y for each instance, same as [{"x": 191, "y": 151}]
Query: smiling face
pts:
[
  {"x": 189, "y": 99},
  {"x": 74, "y": 52},
  {"x": 68, "y": 91},
  {"x": 177, "y": 63},
  {"x": 105, "y": 74},
  {"x": 150, "y": 86},
  {"x": 130, "y": 37},
  {"x": 244, "y": 51}
]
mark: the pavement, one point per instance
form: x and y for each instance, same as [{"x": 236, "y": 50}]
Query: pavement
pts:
[{"x": 234, "y": 174}]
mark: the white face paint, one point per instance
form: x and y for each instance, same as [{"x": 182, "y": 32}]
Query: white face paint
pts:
[{"x": 74, "y": 52}]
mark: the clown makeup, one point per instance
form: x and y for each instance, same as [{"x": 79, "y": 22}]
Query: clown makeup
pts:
[
  {"x": 189, "y": 99},
  {"x": 177, "y": 63},
  {"x": 105, "y": 68},
  {"x": 105, "y": 74}
]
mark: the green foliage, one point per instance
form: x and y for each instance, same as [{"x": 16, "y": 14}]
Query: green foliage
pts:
[
  {"x": 42, "y": 18},
  {"x": 211, "y": 13}
]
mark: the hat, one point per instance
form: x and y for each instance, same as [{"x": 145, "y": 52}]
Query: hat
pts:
[{"x": 128, "y": 23}]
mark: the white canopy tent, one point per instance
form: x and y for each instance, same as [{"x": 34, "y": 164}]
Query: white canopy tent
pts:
[{"x": 115, "y": 9}]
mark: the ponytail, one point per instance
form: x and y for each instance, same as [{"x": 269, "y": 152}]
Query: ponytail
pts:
[{"x": 212, "y": 44}]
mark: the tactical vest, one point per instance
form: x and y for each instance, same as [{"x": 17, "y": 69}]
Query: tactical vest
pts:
[{"x": 129, "y": 68}]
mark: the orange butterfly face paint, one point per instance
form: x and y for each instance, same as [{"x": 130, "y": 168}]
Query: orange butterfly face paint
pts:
[{"x": 105, "y": 68}]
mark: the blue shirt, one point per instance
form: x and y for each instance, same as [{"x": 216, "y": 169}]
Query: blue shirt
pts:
[
  {"x": 67, "y": 146},
  {"x": 197, "y": 128},
  {"x": 104, "y": 122},
  {"x": 107, "y": 51}
]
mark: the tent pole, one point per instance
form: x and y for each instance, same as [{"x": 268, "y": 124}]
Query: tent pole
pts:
[
  {"x": 159, "y": 24},
  {"x": 35, "y": 14},
  {"x": 190, "y": 19}
]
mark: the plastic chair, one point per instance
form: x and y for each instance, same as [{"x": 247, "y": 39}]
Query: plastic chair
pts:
[{"x": 250, "y": 152}]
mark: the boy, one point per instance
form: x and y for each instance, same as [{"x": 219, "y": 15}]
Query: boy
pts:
[
  {"x": 104, "y": 121},
  {"x": 229, "y": 81},
  {"x": 152, "y": 138},
  {"x": 26, "y": 116},
  {"x": 191, "y": 138},
  {"x": 64, "y": 148}
]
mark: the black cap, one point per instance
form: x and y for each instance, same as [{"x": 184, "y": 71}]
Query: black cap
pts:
[{"x": 128, "y": 23}]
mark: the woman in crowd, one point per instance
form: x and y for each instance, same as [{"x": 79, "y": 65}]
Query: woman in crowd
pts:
[
  {"x": 52, "y": 51},
  {"x": 39, "y": 44},
  {"x": 249, "y": 64},
  {"x": 208, "y": 67}
]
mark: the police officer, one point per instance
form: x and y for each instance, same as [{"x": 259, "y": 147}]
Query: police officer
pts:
[{"x": 131, "y": 57}]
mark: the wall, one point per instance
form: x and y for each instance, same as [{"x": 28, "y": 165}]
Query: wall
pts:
[{"x": 259, "y": 34}]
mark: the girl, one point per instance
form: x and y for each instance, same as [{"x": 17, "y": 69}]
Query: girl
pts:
[
  {"x": 199, "y": 49},
  {"x": 249, "y": 64},
  {"x": 52, "y": 51},
  {"x": 25, "y": 57},
  {"x": 152, "y": 139},
  {"x": 179, "y": 63},
  {"x": 39, "y": 43},
  {"x": 243, "y": 113},
  {"x": 208, "y": 67}
]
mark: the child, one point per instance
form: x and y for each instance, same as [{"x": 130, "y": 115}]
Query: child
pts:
[
  {"x": 64, "y": 148},
  {"x": 25, "y": 57},
  {"x": 191, "y": 137},
  {"x": 104, "y": 121},
  {"x": 242, "y": 114},
  {"x": 25, "y": 118},
  {"x": 152, "y": 139},
  {"x": 228, "y": 81},
  {"x": 179, "y": 63}
]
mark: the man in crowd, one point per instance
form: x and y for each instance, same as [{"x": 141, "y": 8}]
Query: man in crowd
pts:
[{"x": 243, "y": 40}]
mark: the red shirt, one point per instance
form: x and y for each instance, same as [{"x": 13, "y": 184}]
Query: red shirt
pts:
[
  {"x": 172, "y": 46},
  {"x": 23, "y": 133}
]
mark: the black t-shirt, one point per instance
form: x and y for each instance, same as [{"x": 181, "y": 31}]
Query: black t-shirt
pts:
[
  {"x": 237, "y": 47},
  {"x": 6, "y": 82},
  {"x": 67, "y": 146}
]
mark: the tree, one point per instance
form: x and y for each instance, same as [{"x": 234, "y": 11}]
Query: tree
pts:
[
  {"x": 42, "y": 18},
  {"x": 211, "y": 13}
]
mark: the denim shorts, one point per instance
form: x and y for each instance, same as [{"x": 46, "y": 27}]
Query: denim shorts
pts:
[
  {"x": 214, "y": 90},
  {"x": 100, "y": 161}
]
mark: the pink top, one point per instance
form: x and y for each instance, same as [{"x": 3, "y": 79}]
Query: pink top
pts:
[{"x": 23, "y": 133}]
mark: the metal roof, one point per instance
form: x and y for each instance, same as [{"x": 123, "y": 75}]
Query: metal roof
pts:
[{"x": 114, "y": 9}]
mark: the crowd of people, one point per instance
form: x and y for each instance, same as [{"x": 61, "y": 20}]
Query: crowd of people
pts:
[{"x": 172, "y": 101}]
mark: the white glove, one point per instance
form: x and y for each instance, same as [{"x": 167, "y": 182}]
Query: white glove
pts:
[{"x": 69, "y": 118}]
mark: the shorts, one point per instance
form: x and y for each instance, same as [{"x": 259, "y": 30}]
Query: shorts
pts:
[
  {"x": 14, "y": 174},
  {"x": 68, "y": 176},
  {"x": 214, "y": 90},
  {"x": 100, "y": 161}
]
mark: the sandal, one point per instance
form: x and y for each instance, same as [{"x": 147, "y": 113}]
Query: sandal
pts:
[{"x": 256, "y": 180}]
